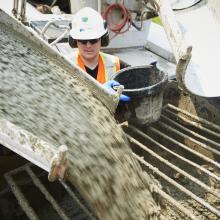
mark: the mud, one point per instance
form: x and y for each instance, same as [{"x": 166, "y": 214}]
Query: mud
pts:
[{"x": 42, "y": 98}]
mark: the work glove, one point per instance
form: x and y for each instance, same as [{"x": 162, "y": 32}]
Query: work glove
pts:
[{"x": 111, "y": 87}]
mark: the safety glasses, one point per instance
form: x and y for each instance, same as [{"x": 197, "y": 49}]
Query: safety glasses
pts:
[{"x": 92, "y": 41}]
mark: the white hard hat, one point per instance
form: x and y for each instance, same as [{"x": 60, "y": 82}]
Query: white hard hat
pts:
[{"x": 88, "y": 24}]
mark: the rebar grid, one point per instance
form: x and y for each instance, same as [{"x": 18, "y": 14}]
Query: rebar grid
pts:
[{"x": 23, "y": 201}]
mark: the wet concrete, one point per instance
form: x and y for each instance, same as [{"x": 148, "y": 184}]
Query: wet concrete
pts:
[{"x": 39, "y": 96}]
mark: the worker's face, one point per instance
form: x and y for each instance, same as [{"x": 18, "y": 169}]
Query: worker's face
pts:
[{"x": 89, "y": 49}]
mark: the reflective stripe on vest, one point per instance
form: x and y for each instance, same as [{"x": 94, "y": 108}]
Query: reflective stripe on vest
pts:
[{"x": 108, "y": 65}]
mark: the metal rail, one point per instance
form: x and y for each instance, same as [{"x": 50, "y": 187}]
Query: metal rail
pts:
[
  {"x": 195, "y": 121},
  {"x": 20, "y": 14},
  {"x": 34, "y": 179},
  {"x": 166, "y": 162},
  {"x": 72, "y": 194},
  {"x": 162, "y": 148},
  {"x": 23, "y": 202},
  {"x": 186, "y": 130},
  {"x": 175, "y": 184},
  {"x": 47, "y": 195},
  {"x": 181, "y": 158},
  {"x": 207, "y": 159}
]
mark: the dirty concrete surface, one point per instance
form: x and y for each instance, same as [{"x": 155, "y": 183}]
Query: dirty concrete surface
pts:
[{"x": 39, "y": 96}]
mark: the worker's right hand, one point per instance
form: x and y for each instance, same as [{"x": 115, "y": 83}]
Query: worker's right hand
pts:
[{"x": 110, "y": 85}]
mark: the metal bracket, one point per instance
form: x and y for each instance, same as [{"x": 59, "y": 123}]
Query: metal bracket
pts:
[
  {"x": 116, "y": 97},
  {"x": 20, "y": 15},
  {"x": 59, "y": 164},
  {"x": 120, "y": 90}
]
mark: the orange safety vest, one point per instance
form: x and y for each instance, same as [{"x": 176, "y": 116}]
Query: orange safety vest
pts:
[{"x": 108, "y": 65}]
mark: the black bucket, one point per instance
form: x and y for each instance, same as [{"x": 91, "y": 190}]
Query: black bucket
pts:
[{"x": 145, "y": 85}]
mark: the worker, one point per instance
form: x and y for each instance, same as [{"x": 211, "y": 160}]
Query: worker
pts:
[{"x": 89, "y": 33}]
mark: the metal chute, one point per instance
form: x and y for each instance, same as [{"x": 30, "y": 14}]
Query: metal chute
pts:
[{"x": 196, "y": 50}]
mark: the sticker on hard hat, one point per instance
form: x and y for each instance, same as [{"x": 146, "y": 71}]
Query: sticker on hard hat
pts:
[{"x": 85, "y": 19}]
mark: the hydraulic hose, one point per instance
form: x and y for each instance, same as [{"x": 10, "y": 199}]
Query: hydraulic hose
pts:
[{"x": 126, "y": 19}]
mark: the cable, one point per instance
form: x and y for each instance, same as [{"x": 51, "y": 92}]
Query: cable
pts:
[
  {"x": 187, "y": 7},
  {"x": 141, "y": 19},
  {"x": 118, "y": 28}
]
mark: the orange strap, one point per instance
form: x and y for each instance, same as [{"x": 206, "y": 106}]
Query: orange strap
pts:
[
  {"x": 101, "y": 69},
  {"x": 80, "y": 62},
  {"x": 101, "y": 76},
  {"x": 117, "y": 63}
]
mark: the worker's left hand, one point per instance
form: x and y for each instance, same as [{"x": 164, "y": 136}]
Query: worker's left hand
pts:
[{"x": 110, "y": 85}]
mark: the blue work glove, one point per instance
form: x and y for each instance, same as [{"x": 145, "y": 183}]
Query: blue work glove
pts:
[{"x": 110, "y": 85}]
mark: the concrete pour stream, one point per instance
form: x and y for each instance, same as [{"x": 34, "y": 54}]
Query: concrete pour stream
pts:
[{"x": 42, "y": 98}]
